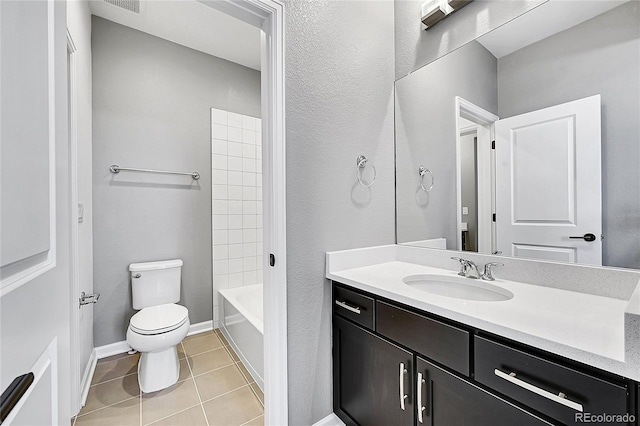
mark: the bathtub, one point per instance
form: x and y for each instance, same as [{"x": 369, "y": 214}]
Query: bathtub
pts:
[{"x": 242, "y": 325}]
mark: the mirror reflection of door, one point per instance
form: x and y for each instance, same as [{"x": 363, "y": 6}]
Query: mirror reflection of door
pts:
[{"x": 469, "y": 193}]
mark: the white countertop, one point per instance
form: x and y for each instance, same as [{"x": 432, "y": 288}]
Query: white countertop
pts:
[{"x": 584, "y": 327}]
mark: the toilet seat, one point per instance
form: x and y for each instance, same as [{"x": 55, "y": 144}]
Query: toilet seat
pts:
[{"x": 159, "y": 319}]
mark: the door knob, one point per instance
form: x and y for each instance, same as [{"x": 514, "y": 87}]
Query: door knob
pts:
[{"x": 586, "y": 237}]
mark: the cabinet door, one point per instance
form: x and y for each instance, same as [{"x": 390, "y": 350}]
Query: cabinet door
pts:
[
  {"x": 369, "y": 376},
  {"x": 448, "y": 400}
]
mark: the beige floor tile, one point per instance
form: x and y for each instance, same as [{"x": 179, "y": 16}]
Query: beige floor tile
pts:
[
  {"x": 234, "y": 408},
  {"x": 122, "y": 414},
  {"x": 218, "y": 382},
  {"x": 185, "y": 372},
  {"x": 181, "y": 353},
  {"x": 203, "y": 344},
  {"x": 209, "y": 361},
  {"x": 256, "y": 389},
  {"x": 111, "y": 392},
  {"x": 198, "y": 335},
  {"x": 108, "y": 369},
  {"x": 194, "y": 416},
  {"x": 167, "y": 402},
  {"x": 223, "y": 339},
  {"x": 259, "y": 421},
  {"x": 118, "y": 356},
  {"x": 245, "y": 372}
]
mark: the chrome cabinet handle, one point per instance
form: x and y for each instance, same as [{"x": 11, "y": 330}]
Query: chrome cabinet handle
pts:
[
  {"x": 353, "y": 309},
  {"x": 560, "y": 398},
  {"x": 403, "y": 396},
  {"x": 421, "y": 407}
]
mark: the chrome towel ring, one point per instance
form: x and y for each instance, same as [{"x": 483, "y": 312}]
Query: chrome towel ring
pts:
[
  {"x": 422, "y": 171},
  {"x": 361, "y": 163}
]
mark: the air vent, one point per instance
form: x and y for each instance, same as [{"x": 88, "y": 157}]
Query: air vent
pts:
[{"x": 130, "y": 5}]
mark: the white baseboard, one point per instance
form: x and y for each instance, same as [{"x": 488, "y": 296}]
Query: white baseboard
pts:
[
  {"x": 88, "y": 377},
  {"x": 200, "y": 327},
  {"x": 122, "y": 347},
  {"x": 330, "y": 420}
]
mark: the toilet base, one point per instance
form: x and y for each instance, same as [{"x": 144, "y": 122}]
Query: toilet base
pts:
[{"x": 158, "y": 370}]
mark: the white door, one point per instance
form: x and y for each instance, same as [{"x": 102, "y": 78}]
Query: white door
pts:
[
  {"x": 548, "y": 189},
  {"x": 34, "y": 210}
]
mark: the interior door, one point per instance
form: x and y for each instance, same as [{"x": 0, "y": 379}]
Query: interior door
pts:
[
  {"x": 34, "y": 210},
  {"x": 548, "y": 183}
]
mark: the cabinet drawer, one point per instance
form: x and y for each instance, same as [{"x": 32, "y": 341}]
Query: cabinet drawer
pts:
[
  {"x": 438, "y": 341},
  {"x": 354, "y": 306},
  {"x": 538, "y": 383}
]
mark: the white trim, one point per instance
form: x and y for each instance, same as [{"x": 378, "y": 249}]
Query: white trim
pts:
[
  {"x": 122, "y": 347},
  {"x": 88, "y": 377},
  {"x": 484, "y": 120},
  {"x": 269, "y": 15},
  {"x": 23, "y": 276},
  {"x": 112, "y": 349},
  {"x": 330, "y": 420},
  {"x": 200, "y": 327}
]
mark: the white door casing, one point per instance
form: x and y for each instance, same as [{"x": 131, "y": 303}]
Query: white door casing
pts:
[
  {"x": 34, "y": 192},
  {"x": 548, "y": 183}
]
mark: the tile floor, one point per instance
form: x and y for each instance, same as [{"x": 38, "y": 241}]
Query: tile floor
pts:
[{"x": 214, "y": 388}]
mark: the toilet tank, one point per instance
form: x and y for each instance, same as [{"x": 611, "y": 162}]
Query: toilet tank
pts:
[{"x": 155, "y": 283}]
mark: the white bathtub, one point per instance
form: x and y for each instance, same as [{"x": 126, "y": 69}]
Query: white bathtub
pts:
[{"x": 241, "y": 314}]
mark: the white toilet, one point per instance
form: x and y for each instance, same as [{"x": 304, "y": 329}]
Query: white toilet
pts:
[{"x": 159, "y": 325}]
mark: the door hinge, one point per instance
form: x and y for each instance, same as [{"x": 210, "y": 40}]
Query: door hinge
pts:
[
  {"x": 493, "y": 144},
  {"x": 494, "y": 217}
]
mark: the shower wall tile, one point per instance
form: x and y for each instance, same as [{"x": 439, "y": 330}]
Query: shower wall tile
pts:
[{"x": 236, "y": 162}]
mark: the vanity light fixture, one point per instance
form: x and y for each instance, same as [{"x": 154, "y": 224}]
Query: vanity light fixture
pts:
[{"x": 434, "y": 11}]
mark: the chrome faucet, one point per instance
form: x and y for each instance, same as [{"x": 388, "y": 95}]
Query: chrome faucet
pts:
[{"x": 469, "y": 269}]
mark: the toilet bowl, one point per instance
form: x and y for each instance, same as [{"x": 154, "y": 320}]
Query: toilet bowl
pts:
[
  {"x": 155, "y": 332},
  {"x": 160, "y": 325}
]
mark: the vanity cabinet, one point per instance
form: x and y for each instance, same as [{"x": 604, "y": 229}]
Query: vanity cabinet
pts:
[{"x": 395, "y": 365}]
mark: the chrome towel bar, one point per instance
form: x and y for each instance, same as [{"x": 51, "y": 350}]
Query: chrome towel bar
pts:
[{"x": 117, "y": 169}]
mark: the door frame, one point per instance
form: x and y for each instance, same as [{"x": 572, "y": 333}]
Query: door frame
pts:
[
  {"x": 268, "y": 15},
  {"x": 485, "y": 182}
]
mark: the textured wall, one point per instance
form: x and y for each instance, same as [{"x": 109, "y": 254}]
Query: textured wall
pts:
[
  {"x": 600, "y": 56},
  {"x": 425, "y": 135},
  {"x": 339, "y": 74},
  {"x": 415, "y": 47},
  {"x": 152, "y": 103}
]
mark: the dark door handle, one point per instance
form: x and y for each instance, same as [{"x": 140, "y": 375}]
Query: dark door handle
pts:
[{"x": 586, "y": 237}]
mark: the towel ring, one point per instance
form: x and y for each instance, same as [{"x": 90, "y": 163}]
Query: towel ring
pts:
[
  {"x": 422, "y": 170},
  {"x": 361, "y": 163}
]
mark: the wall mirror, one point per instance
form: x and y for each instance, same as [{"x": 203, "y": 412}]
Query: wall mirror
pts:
[{"x": 526, "y": 141}]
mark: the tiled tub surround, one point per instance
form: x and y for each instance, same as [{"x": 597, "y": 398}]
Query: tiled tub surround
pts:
[
  {"x": 587, "y": 314},
  {"x": 236, "y": 162},
  {"x": 213, "y": 383}
]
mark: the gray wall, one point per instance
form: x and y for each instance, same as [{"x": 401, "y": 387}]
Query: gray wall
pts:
[
  {"x": 425, "y": 135},
  {"x": 415, "y": 47},
  {"x": 151, "y": 108},
  {"x": 339, "y": 75},
  {"x": 600, "y": 56}
]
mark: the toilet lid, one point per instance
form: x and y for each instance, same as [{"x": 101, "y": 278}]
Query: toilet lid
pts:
[{"x": 159, "y": 319}]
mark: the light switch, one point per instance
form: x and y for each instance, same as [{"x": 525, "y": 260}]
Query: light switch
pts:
[
  {"x": 80, "y": 212},
  {"x": 465, "y": 210}
]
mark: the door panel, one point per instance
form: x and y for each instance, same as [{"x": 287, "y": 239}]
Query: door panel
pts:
[
  {"x": 548, "y": 183},
  {"x": 35, "y": 298},
  {"x": 367, "y": 379}
]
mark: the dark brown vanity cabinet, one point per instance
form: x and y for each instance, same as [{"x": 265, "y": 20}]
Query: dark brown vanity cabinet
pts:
[{"x": 393, "y": 365}]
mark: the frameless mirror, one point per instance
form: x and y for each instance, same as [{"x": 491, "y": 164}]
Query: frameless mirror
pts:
[{"x": 526, "y": 141}]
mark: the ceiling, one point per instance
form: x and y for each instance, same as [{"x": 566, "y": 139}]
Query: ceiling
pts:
[
  {"x": 191, "y": 24},
  {"x": 543, "y": 21}
]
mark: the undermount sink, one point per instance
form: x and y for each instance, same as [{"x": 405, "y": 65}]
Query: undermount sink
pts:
[{"x": 458, "y": 287}]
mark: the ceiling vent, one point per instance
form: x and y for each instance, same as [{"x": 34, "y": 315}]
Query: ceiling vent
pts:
[{"x": 130, "y": 5}]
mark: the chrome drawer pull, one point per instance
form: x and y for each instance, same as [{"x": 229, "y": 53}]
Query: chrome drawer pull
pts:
[
  {"x": 560, "y": 398},
  {"x": 403, "y": 396},
  {"x": 421, "y": 407},
  {"x": 353, "y": 309}
]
